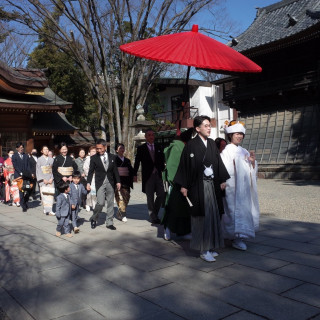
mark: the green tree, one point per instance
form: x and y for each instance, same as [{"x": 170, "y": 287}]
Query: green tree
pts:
[
  {"x": 65, "y": 76},
  {"x": 67, "y": 80}
]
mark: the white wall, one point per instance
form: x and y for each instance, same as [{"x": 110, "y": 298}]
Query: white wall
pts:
[
  {"x": 208, "y": 100},
  {"x": 225, "y": 113},
  {"x": 202, "y": 99}
]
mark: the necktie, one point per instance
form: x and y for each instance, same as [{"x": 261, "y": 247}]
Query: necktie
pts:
[
  {"x": 104, "y": 159},
  {"x": 152, "y": 151},
  {"x": 20, "y": 156}
]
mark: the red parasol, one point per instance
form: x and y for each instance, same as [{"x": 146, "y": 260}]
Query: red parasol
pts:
[{"x": 191, "y": 49}]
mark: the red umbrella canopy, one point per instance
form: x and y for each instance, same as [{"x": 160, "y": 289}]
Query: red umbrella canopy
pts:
[{"x": 191, "y": 49}]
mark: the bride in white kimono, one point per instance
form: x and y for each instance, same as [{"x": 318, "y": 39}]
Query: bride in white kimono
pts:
[{"x": 241, "y": 206}]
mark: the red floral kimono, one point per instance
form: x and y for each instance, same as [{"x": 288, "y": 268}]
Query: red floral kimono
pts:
[{"x": 11, "y": 187}]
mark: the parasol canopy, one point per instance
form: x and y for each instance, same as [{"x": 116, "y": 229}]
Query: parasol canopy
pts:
[{"x": 192, "y": 49}]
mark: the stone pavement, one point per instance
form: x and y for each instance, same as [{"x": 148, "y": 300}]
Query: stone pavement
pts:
[{"x": 132, "y": 273}]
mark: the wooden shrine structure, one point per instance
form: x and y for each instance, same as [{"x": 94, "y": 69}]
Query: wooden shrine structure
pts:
[{"x": 30, "y": 111}]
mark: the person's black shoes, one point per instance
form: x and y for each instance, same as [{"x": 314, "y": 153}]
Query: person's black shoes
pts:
[
  {"x": 24, "y": 209},
  {"x": 112, "y": 227},
  {"x": 156, "y": 221},
  {"x": 93, "y": 224}
]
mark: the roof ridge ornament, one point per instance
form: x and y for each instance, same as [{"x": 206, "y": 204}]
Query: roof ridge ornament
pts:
[
  {"x": 234, "y": 41},
  {"x": 292, "y": 20}
]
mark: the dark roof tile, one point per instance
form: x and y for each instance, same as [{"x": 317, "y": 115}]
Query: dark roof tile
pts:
[{"x": 272, "y": 23}]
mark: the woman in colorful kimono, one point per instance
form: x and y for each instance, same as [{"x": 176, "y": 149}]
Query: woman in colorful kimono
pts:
[
  {"x": 2, "y": 179},
  {"x": 11, "y": 187}
]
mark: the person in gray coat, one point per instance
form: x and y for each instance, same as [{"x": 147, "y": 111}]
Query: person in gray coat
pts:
[
  {"x": 77, "y": 191},
  {"x": 63, "y": 209}
]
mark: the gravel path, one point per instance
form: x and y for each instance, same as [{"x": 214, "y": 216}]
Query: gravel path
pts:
[
  {"x": 284, "y": 199},
  {"x": 291, "y": 200}
]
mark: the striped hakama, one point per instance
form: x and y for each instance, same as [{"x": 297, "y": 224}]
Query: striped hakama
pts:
[{"x": 206, "y": 230}]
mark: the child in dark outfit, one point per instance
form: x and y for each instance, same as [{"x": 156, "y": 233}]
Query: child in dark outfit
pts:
[
  {"x": 63, "y": 209},
  {"x": 77, "y": 191}
]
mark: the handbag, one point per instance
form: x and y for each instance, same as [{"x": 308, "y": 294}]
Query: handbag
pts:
[
  {"x": 23, "y": 185},
  {"x": 19, "y": 182},
  {"x": 48, "y": 190},
  {"x": 26, "y": 185}
]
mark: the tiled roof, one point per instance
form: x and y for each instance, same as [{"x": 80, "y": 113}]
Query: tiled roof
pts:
[
  {"x": 55, "y": 122},
  {"x": 21, "y": 79},
  {"x": 279, "y": 21},
  {"x": 48, "y": 102},
  {"x": 78, "y": 139}
]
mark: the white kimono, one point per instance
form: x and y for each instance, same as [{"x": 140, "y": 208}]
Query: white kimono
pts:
[
  {"x": 44, "y": 171},
  {"x": 241, "y": 206}
]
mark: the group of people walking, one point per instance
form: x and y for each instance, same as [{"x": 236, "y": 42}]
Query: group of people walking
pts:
[{"x": 208, "y": 189}]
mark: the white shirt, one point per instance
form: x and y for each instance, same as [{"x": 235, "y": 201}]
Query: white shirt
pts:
[
  {"x": 205, "y": 141},
  {"x": 104, "y": 158}
]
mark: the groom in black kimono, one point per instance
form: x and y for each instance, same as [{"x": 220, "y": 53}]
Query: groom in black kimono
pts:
[{"x": 202, "y": 176}]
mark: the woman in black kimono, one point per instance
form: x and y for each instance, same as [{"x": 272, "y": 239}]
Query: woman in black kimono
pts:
[
  {"x": 126, "y": 174},
  {"x": 202, "y": 176},
  {"x": 63, "y": 166}
]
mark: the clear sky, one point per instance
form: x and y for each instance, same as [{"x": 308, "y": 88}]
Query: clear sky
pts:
[{"x": 244, "y": 11}]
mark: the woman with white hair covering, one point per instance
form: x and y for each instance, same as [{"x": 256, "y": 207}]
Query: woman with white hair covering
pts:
[{"x": 241, "y": 218}]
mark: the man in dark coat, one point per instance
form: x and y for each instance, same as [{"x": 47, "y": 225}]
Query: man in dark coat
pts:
[
  {"x": 20, "y": 162},
  {"x": 33, "y": 168},
  {"x": 151, "y": 158},
  {"x": 202, "y": 176},
  {"x": 103, "y": 165}
]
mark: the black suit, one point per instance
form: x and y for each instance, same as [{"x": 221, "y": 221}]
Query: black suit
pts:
[
  {"x": 151, "y": 177},
  {"x": 33, "y": 169},
  {"x": 22, "y": 168},
  {"x": 143, "y": 156},
  {"x": 104, "y": 187},
  {"x": 33, "y": 165},
  {"x": 97, "y": 167}
]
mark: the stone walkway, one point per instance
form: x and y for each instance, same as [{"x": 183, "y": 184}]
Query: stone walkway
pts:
[{"x": 132, "y": 273}]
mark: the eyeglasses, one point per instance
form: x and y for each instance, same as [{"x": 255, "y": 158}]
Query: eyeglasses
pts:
[{"x": 233, "y": 122}]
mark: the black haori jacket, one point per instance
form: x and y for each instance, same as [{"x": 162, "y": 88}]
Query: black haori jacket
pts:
[{"x": 190, "y": 173}]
